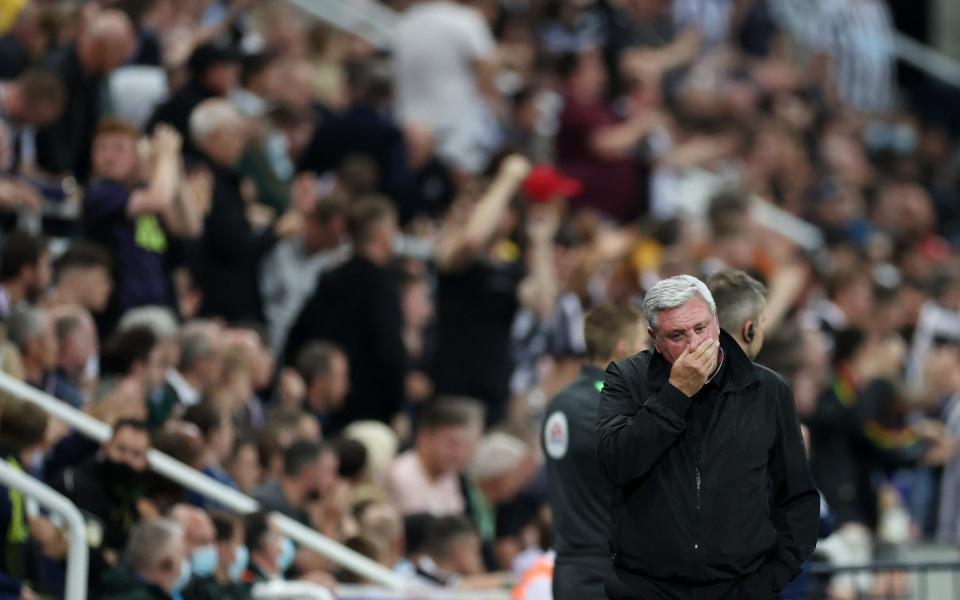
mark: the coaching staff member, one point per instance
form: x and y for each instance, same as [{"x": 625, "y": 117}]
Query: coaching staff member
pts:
[
  {"x": 741, "y": 303},
  {"x": 579, "y": 494},
  {"x": 713, "y": 497}
]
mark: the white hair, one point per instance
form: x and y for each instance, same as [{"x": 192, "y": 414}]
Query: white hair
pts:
[
  {"x": 158, "y": 319},
  {"x": 149, "y": 542},
  {"x": 211, "y": 116},
  {"x": 673, "y": 292}
]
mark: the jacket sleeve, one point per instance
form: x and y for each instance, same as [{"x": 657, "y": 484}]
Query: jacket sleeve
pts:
[
  {"x": 631, "y": 437},
  {"x": 796, "y": 501}
]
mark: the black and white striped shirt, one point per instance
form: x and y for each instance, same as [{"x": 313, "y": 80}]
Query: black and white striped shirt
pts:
[{"x": 858, "y": 37}]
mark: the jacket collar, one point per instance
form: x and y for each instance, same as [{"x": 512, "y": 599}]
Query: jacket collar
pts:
[{"x": 739, "y": 370}]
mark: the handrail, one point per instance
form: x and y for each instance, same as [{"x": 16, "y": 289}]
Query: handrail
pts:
[
  {"x": 208, "y": 487},
  {"x": 927, "y": 59},
  {"x": 370, "y": 20},
  {"x": 77, "y": 552}
]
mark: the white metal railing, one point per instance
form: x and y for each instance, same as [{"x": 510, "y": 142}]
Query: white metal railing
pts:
[
  {"x": 927, "y": 59},
  {"x": 208, "y": 487},
  {"x": 77, "y": 552},
  {"x": 368, "y": 19}
]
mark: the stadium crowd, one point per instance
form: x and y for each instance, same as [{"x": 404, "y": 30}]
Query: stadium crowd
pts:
[{"x": 345, "y": 278}]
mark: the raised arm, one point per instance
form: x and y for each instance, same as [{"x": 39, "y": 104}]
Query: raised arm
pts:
[
  {"x": 459, "y": 241},
  {"x": 164, "y": 184}
]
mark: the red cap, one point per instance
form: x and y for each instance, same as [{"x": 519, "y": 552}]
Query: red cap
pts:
[{"x": 544, "y": 183}]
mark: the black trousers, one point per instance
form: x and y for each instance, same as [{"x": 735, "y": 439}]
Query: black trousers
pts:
[
  {"x": 580, "y": 578},
  {"x": 623, "y": 585}
]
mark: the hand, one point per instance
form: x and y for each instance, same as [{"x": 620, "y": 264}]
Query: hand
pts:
[
  {"x": 516, "y": 167},
  {"x": 543, "y": 222},
  {"x": 292, "y": 389},
  {"x": 166, "y": 141},
  {"x": 200, "y": 183},
  {"x": 691, "y": 369},
  {"x": 289, "y": 224},
  {"x": 125, "y": 401},
  {"x": 52, "y": 542}
]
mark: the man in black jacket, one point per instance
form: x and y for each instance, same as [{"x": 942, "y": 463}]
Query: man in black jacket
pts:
[
  {"x": 231, "y": 248},
  {"x": 579, "y": 495},
  {"x": 357, "y": 306},
  {"x": 713, "y": 494}
]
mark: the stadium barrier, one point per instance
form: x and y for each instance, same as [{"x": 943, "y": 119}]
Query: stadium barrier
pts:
[{"x": 77, "y": 551}]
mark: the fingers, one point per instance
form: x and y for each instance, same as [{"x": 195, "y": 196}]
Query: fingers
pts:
[{"x": 704, "y": 356}]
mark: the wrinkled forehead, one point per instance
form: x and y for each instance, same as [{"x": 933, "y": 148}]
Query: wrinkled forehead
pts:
[{"x": 695, "y": 311}]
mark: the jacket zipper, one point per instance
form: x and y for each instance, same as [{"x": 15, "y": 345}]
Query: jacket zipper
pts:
[{"x": 696, "y": 543}]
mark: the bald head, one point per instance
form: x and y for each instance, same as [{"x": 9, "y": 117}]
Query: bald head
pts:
[
  {"x": 197, "y": 526},
  {"x": 108, "y": 41}
]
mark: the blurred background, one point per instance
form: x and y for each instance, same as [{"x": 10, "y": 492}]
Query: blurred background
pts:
[{"x": 336, "y": 255}]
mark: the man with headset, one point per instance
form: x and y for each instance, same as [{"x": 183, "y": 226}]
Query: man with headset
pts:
[{"x": 741, "y": 308}]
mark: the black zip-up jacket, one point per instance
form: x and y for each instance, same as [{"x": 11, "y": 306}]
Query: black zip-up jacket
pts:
[{"x": 742, "y": 504}]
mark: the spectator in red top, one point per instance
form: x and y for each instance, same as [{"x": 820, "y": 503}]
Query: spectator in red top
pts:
[{"x": 593, "y": 144}]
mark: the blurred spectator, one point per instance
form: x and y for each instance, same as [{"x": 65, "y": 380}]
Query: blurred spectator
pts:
[
  {"x": 106, "y": 489},
  {"x": 200, "y": 538},
  {"x": 856, "y": 39},
  {"x": 77, "y": 347},
  {"x": 214, "y": 71},
  {"x": 31, "y": 330},
  {"x": 293, "y": 269},
  {"x": 132, "y": 220},
  {"x": 155, "y": 565},
  {"x": 22, "y": 430},
  {"x": 249, "y": 343},
  {"x": 481, "y": 283},
  {"x": 382, "y": 521},
  {"x": 271, "y": 554},
  {"x": 309, "y": 473},
  {"x": 425, "y": 478},
  {"x": 357, "y": 306},
  {"x": 502, "y": 466},
  {"x": 326, "y": 373},
  {"x": 196, "y": 374},
  {"x": 381, "y": 444},
  {"x": 418, "y": 338},
  {"x": 136, "y": 354},
  {"x": 24, "y": 270},
  {"x": 367, "y": 128},
  {"x": 451, "y": 551},
  {"x": 82, "y": 276},
  {"x": 231, "y": 247},
  {"x": 849, "y": 432},
  {"x": 232, "y": 562},
  {"x": 446, "y": 89},
  {"x": 593, "y": 145},
  {"x": 103, "y": 44},
  {"x": 216, "y": 428},
  {"x": 34, "y": 99},
  {"x": 244, "y": 465},
  {"x": 27, "y": 40},
  {"x": 259, "y": 83}
]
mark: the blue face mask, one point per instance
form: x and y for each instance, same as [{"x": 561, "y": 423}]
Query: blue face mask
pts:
[
  {"x": 287, "y": 553},
  {"x": 184, "y": 579},
  {"x": 204, "y": 561},
  {"x": 236, "y": 570}
]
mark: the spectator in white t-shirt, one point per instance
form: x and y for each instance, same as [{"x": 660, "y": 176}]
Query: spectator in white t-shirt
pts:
[
  {"x": 443, "y": 65},
  {"x": 425, "y": 479}
]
